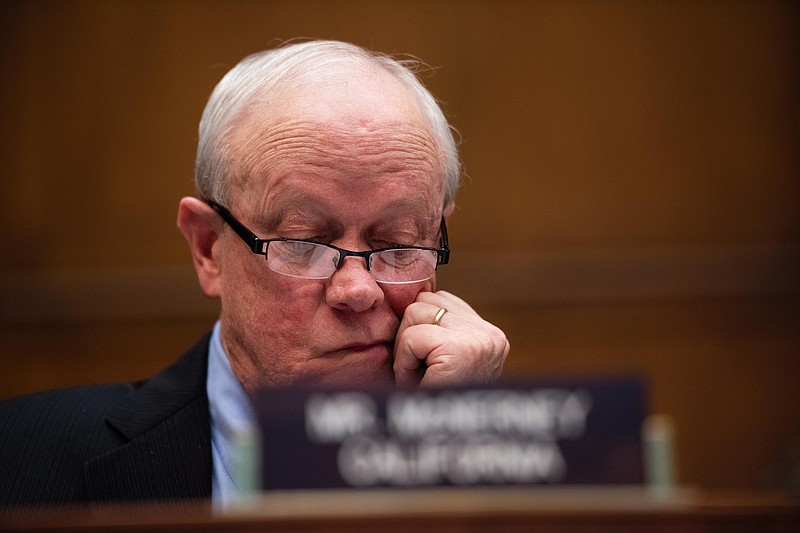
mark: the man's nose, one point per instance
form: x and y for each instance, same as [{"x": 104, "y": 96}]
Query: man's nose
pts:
[{"x": 353, "y": 287}]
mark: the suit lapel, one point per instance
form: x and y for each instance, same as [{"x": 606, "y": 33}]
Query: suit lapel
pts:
[{"x": 167, "y": 453}]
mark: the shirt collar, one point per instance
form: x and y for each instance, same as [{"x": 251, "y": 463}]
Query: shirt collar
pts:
[{"x": 232, "y": 415}]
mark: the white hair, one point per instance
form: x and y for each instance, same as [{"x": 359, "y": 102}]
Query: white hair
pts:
[{"x": 274, "y": 70}]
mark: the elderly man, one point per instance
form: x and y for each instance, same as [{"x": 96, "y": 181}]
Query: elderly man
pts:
[{"x": 325, "y": 174}]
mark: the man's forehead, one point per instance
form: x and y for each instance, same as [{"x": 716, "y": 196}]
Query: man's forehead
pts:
[
  {"x": 344, "y": 154},
  {"x": 361, "y": 154},
  {"x": 338, "y": 127},
  {"x": 286, "y": 198},
  {"x": 307, "y": 196}
]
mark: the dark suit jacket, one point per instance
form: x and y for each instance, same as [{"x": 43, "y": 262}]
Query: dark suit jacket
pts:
[{"x": 148, "y": 440}]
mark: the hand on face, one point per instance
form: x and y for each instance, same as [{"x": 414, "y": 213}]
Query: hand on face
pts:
[
  {"x": 462, "y": 349},
  {"x": 354, "y": 165}
]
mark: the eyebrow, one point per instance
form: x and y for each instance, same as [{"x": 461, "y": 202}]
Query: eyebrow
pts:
[
  {"x": 304, "y": 201},
  {"x": 274, "y": 211}
]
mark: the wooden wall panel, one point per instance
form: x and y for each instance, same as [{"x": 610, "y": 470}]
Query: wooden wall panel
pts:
[{"x": 632, "y": 200}]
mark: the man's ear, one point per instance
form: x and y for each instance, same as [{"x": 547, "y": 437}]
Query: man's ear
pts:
[{"x": 201, "y": 228}]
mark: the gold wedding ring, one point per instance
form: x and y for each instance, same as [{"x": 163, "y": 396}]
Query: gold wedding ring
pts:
[{"x": 439, "y": 314}]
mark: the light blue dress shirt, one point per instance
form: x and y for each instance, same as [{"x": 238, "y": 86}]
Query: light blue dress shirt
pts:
[{"x": 232, "y": 415}]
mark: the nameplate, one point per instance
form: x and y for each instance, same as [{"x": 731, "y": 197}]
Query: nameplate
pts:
[{"x": 555, "y": 433}]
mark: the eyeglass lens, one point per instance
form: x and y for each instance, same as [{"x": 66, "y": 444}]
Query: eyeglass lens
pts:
[{"x": 316, "y": 261}]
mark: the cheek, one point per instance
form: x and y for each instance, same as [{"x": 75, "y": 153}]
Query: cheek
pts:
[
  {"x": 401, "y": 296},
  {"x": 291, "y": 309},
  {"x": 269, "y": 305},
  {"x": 284, "y": 307},
  {"x": 270, "y": 320}
]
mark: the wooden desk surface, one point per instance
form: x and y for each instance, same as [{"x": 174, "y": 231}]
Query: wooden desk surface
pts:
[{"x": 617, "y": 509}]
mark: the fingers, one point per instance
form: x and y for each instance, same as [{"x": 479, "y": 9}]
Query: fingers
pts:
[
  {"x": 424, "y": 309},
  {"x": 412, "y": 351},
  {"x": 462, "y": 348},
  {"x": 442, "y": 299}
]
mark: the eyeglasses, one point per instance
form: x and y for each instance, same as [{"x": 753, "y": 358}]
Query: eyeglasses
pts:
[{"x": 300, "y": 258}]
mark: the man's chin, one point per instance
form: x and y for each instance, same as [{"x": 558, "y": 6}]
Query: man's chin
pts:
[
  {"x": 359, "y": 377},
  {"x": 367, "y": 375},
  {"x": 369, "y": 367}
]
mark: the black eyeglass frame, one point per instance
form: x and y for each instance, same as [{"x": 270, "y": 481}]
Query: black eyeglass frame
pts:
[{"x": 260, "y": 246}]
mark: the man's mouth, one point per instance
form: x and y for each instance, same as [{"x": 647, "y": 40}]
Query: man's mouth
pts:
[{"x": 365, "y": 347}]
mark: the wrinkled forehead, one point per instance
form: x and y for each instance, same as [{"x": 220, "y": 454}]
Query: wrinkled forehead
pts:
[{"x": 350, "y": 118}]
